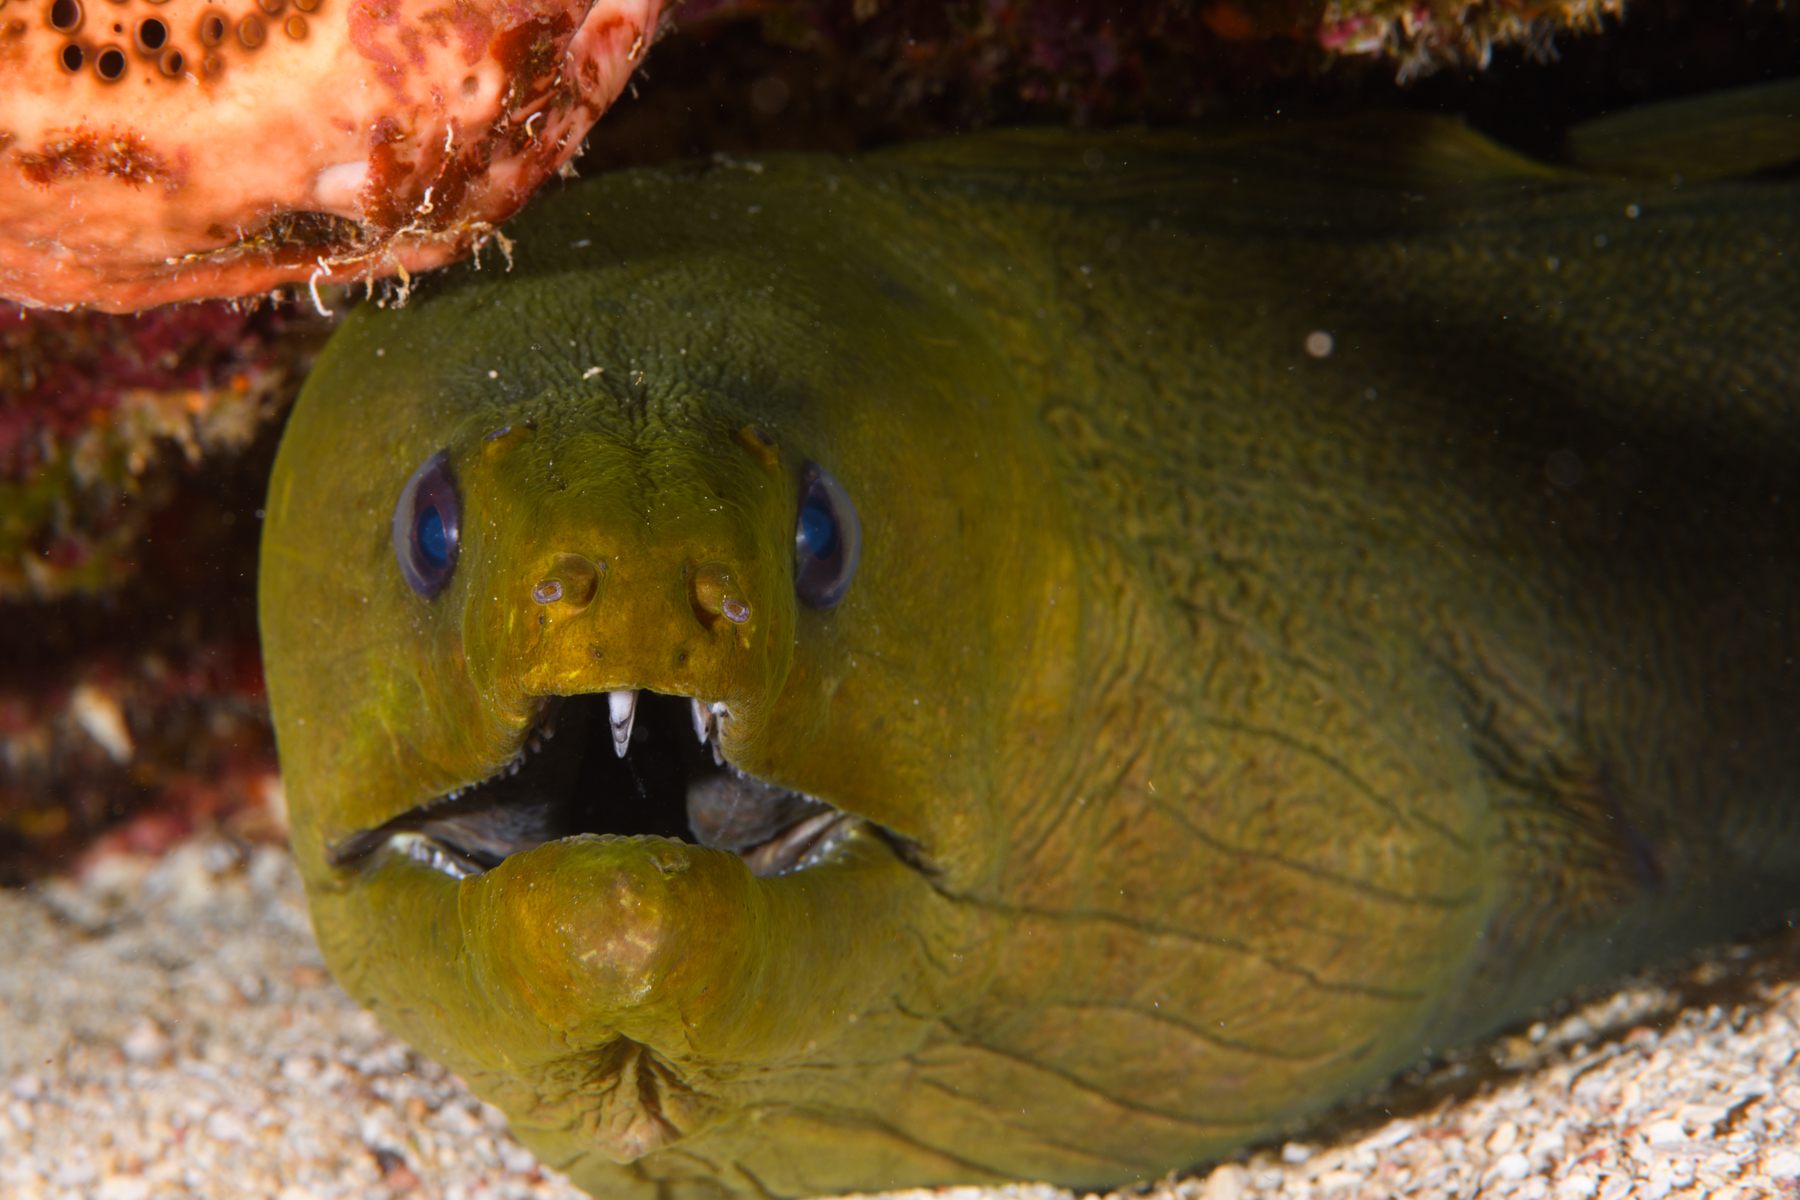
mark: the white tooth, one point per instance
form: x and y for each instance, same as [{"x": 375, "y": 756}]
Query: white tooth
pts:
[
  {"x": 622, "y": 705},
  {"x": 715, "y": 714},
  {"x": 702, "y": 722}
]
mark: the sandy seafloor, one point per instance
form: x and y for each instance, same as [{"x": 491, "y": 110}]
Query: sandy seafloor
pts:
[{"x": 167, "y": 1030}]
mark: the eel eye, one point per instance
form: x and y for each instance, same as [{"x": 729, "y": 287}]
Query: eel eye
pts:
[
  {"x": 827, "y": 539},
  {"x": 428, "y": 526}
]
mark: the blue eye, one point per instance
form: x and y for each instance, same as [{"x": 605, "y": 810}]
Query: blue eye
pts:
[
  {"x": 818, "y": 528},
  {"x": 827, "y": 539},
  {"x": 429, "y": 533},
  {"x": 427, "y": 526}
]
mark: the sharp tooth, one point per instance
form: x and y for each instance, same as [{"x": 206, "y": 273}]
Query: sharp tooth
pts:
[
  {"x": 715, "y": 714},
  {"x": 702, "y": 722},
  {"x": 622, "y": 705}
]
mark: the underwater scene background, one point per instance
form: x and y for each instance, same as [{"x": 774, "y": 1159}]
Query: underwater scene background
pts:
[{"x": 141, "y": 813}]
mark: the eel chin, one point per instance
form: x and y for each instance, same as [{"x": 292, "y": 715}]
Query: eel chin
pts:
[
  {"x": 625, "y": 942},
  {"x": 623, "y": 763}
]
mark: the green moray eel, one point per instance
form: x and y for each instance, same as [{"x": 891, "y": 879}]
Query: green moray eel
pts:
[{"x": 1041, "y": 655}]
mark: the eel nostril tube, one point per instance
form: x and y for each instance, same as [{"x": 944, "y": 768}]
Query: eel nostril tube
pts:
[
  {"x": 714, "y": 593},
  {"x": 572, "y": 580}
]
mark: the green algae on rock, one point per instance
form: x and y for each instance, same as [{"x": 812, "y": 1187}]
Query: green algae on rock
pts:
[{"x": 1038, "y": 656}]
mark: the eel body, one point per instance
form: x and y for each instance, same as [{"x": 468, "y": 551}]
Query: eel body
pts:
[{"x": 1040, "y": 656}]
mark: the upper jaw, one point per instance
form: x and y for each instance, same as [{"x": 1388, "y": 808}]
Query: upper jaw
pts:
[{"x": 623, "y": 762}]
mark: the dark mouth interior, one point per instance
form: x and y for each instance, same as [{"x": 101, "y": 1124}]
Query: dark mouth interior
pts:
[{"x": 570, "y": 779}]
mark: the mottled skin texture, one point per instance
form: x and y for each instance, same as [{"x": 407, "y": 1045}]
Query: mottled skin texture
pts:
[{"x": 1261, "y": 719}]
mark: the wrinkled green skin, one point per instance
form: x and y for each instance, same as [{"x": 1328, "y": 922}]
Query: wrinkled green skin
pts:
[{"x": 1262, "y": 720}]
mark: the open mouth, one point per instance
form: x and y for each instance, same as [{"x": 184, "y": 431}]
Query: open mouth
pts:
[{"x": 624, "y": 763}]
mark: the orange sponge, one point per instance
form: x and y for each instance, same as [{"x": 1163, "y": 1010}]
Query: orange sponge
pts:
[{"x": 161, "y": 150}]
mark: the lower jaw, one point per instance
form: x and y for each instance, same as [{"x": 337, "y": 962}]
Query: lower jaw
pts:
[{"x": 536, "y": 977}]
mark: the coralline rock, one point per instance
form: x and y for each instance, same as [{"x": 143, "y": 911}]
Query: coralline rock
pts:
[
  {"x": 92, "y": 409},
  {"x": 132, "y": 754},
  {"x": 161, "y": 150},
  {"x": 1108, "y": 61},
  {"x": 132, "y": 457},
  {"x": 1422, "y": 35}
]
